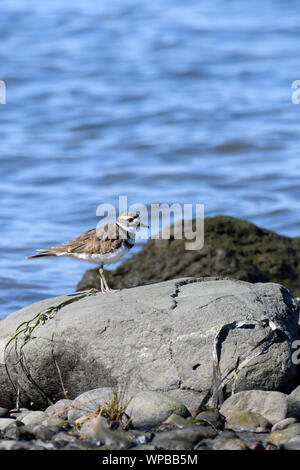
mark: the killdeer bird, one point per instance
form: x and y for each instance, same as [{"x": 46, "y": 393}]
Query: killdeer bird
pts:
[{"x": 103, "y": 245}]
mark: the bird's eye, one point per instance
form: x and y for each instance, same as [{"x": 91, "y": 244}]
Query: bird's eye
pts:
[{"x": 130, "y": 219}]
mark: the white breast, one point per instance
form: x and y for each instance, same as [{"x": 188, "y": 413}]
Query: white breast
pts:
[{"x": 108, "y": 258}]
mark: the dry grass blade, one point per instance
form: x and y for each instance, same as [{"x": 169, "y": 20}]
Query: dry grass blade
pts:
[
  {"x": 112, "y": 410},
  {"x": 27, "y": 329}
]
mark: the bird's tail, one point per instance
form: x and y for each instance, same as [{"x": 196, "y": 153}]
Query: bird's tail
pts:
[{"x": 41, "y": 255}]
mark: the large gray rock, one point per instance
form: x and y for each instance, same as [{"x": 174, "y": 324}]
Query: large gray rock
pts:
[{"x": 191, "y": 338}]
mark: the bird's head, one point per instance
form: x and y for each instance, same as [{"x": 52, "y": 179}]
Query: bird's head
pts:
[{"x": 130, "y": 221}]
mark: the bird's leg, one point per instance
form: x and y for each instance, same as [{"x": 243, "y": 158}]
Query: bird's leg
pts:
[
  {"x": 103, "y": 290},
  {"x": 104, "y": 286},
  {"x": 108, "y": 289}
]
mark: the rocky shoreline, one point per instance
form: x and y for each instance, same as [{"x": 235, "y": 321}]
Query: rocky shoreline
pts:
[
  {"x": 186, "y": 364},
  {"x": 152, "y": 421}
]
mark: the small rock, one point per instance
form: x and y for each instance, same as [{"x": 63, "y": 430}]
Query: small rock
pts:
[
  {"x": 65, "y": 436},
  {"x": 226, "y": 434},
  {"x": 256, "y": 445},
  {"x": 89, "y": 402},
  {"x": 176, "y": 421},
  {"x": 283, "y": 424},
  {"x": 45, "y": 446},
  {"x": 191, "y": 433},
  {"x": 211, "y": 416},
  {"x": 4, "y": 413},
  {"x": 59, "y": 444},
  {"x": 274, "y": 406},
  {"x": 20, "y": 414},
  {"x": 140, "y": 437},
  {"x": 53, "y": 421},
  {"x": 149, "y": 409},
  {"x": 250, "y": 421},
  {"x": 5, "y": 422},
  {"x": 252, "y": 438},
  {"x": 18, "y": 410},
  {"x": 60, "y": 408},
  {"x": 90, "y": 427},
  {"x": 45, "y": 433},
  {"x": 62, "y": 439},
  {"x": 25, "y": 433},
  {"x": 229, "y": 444},
  {"x": 30, "y": 432},
  {"x": 98, "y": 431},
  {"x": 144, "y": 447},
  {"x": 271, "y": 447},
  {"x": 206, "y": 444},
  {"x": 11, "y": 431},
  {"x": 7, "y": 444},
  {"x": 32, "y": 417},
  {"x": 81, "y": 445},
  {"x": 292, "y": 444},
  {"x": 172, "y": 444},
  {"x": 278, "y": 437},
  {"x": 22, "y": 445},
  {"x": 296, "y": 393}
]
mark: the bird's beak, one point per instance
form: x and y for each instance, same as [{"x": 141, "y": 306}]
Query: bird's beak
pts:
[{"x": 143, "y": 225}]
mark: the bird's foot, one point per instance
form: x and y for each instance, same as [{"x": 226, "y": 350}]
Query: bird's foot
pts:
[
  {"x": 106, "y": 290},
  {"x": 110, "y": 291}
]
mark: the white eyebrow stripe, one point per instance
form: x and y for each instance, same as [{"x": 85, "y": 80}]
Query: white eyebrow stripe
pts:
[{"x": 126, "y": 228}]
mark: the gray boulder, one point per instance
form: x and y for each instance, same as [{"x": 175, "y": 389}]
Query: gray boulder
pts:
[{"x": 194, "y": 339}]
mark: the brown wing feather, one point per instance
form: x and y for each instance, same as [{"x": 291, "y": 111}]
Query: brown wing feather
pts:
[{"x": 100, "y": 240}]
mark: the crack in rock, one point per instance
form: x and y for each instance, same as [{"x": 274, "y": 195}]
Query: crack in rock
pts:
[{"x": 177, "y": 290}]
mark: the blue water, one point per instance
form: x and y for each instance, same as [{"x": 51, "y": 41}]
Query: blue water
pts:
[{"x": 163, "y": 101}]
